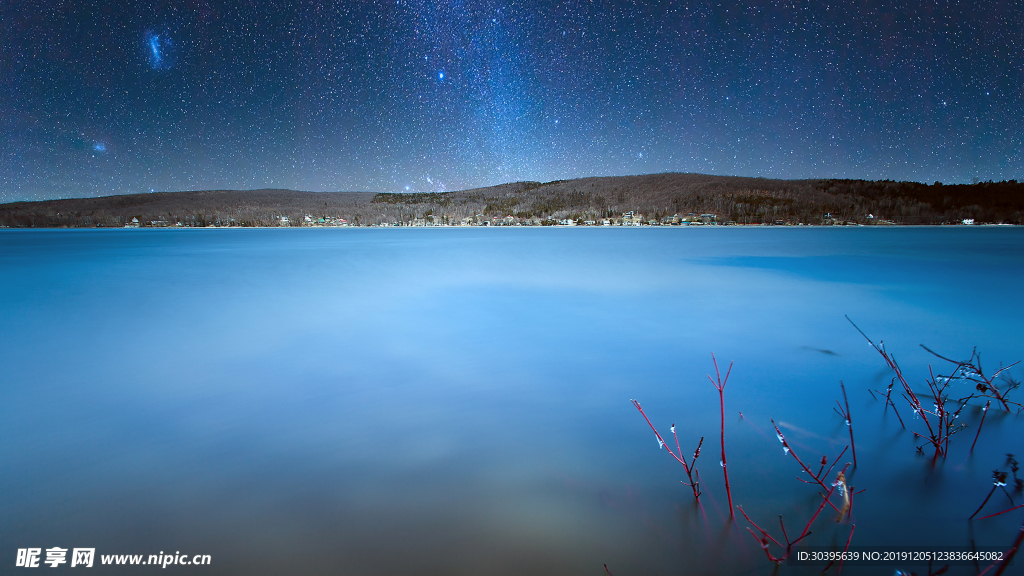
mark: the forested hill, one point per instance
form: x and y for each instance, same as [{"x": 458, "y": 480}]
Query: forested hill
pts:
[{"x": 657, "y": 197}]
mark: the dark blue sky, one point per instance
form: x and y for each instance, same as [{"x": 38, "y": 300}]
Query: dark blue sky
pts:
[{"x": 104, "y": 98}]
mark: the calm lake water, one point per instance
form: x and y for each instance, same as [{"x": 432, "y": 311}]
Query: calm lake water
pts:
[{"x": 456, "y": 401}]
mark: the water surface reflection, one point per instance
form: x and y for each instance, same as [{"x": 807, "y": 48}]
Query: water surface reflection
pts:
[{"x": 456, "y": 401}]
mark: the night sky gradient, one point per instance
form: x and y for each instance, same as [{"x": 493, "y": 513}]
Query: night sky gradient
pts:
[{"x": 100, "y": 98}]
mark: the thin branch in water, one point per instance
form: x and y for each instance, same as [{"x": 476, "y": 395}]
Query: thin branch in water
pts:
[
  {"x": 695, "y": 486},
  {"x": 934, "y": 438},
  {"x": 763, "y": 541},
  {"x": 720, "y": 386},
  {"x": 661, "y": 441},
  {"x": 893, "y": 404},
  {"x": 850, "y": 537},
  {"x": 1008, "y": 556},
  {"x": 767, "y": 538},
  {"x": 786, "y": 448},
  {"x": 825, "y": 500},
  {"x": 1003, "y": 512},
  {"x": 849, "y": 422},
  {"x": 984, "y": 413},
  {"x": 762, "y": 530},
  {"x": 849, "y": 510},
  {"x": 985, "y": 501},
  {"x": 971, "y": 370},
  {"x": 678, "y": 449}
]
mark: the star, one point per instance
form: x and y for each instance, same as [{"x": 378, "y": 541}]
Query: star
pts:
[{"x": 219, "y": 95}]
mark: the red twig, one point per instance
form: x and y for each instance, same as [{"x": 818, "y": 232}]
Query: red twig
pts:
[
  {"x": 984, "y": 412},
  {"x": 784, "y": 535},
  {"x": 1007, "y": 557},
  {"x": 840, "y": 570},
  {"x": 889, "y": 402},
  {"x": 849, "y": 423},
  {"x": 720, "y": 386},
  {"x": 849, "y": 509},
  {"x": 763, "y": 541},
  {"x": 1011, "y": 552},
  {"x": 1003, "y": 512},
  {"x": 834, "y": 462},
  {"x": 695, "y": 486},
  {"x": 661, "y": 441},
  {"x": 817, "y": 477},
  {"x": 825, "y": 500},
  {"x": 985, "y": 501},
  {"x": 678, "y": 449},
  {"x": 934, "y": 438},
  {"x": 971, "y": 370},
  {"x": 766, "y": 537},
  {"x": 762, "y": 530}
]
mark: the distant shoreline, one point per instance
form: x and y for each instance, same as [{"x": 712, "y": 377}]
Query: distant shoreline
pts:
[{"x": 655, "y": 199}]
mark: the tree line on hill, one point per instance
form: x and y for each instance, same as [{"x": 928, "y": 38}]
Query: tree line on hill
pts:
[{"x": 736, "y": 199}]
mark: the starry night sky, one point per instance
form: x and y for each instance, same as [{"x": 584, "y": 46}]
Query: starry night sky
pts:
[{"x": 101, "y": 98}]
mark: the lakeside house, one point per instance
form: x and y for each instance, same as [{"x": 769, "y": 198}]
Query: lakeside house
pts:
[{"x": 632, "y": 219}]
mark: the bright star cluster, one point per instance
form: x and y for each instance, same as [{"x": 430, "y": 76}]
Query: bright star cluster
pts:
[{"x": 103, "y": 97}]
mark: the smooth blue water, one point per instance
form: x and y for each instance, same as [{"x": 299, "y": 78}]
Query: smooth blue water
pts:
[{"x": 456, "y": 401}]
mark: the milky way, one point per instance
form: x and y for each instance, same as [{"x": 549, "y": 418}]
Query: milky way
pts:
[
  {"x": 159, "y": 48},
  {"x": 423, "y": 96}
]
